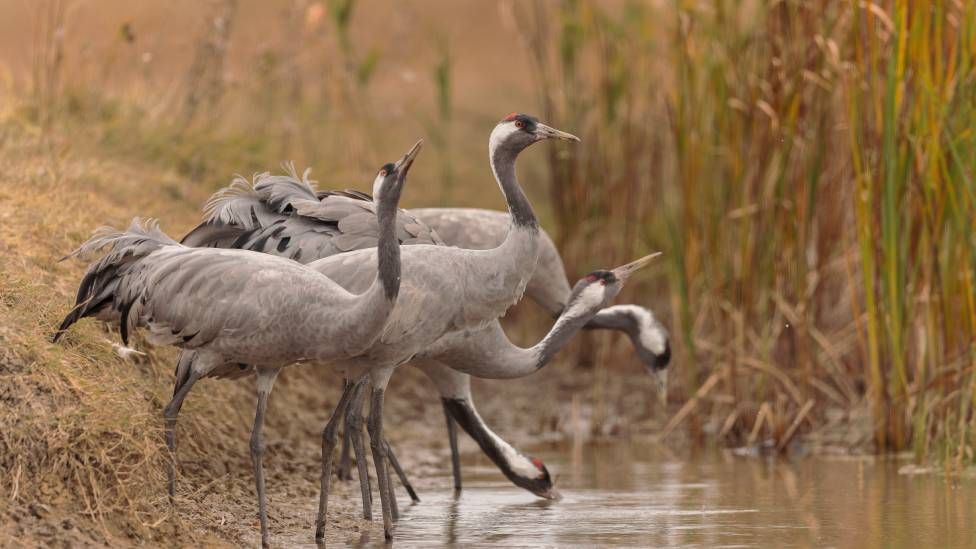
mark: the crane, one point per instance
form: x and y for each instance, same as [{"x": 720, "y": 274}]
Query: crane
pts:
[
  {"x": 488, "y": 353},
  {"x": 240, "y": 310}
]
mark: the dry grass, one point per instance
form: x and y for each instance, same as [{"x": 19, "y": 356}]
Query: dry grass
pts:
[{"x": 78, "y": 419}]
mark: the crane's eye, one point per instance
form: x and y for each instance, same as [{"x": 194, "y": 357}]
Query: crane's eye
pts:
[
  {"x": 519, "y": 124},
  {"x": 382, "y": 173}
]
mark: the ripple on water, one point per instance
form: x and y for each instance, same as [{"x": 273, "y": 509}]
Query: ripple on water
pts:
[{"x": 629, "y": 495}]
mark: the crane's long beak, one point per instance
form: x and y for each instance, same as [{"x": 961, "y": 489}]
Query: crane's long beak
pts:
[
  {"x": 552, "y": 493},
  {"x": 661, "y": 379},
  {"x": 546, "y": 132},
  {"x": 403, "y": 166},
  {"x": 623, "y": 272}
]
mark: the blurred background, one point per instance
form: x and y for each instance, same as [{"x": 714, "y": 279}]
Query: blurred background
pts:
[{"x": 807, "y": 168}]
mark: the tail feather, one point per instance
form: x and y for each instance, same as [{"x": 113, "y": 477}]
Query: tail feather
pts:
[
  {"x": 236, "y": 204},
  {"x": 208, "y": 235},
  {"x": 348, "y": 193},
  {"x": 281, "y": 193},
  {"x": 99, "y": 286},
  {"x": 249, "y": 204}
]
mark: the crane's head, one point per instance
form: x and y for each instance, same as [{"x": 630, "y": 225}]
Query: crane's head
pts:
[
  {"x": 592, "y": 292},
  {"x": 524, "y": 471},
  {"x": 393, "y": 175},
  {"x": 531, "y": 474},
  {"x": 650, "y": 338},
  {"x": 653, "y": 346},
  {"x": 517, "y": 131}
]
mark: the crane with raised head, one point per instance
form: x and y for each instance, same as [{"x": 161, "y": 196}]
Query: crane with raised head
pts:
[{"x": 240, "y": 311}]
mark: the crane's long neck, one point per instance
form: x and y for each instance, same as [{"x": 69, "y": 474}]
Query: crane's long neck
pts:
[
  {"x": 501, "y": 273},
  {"x": 515, "y": 466},
  {"x": 372, "y": 308},
  {"x": 388, "y": 247},
  {"x": 489, "y": 353},
  {"x": 519, "y": 252},
  {"x": 562, "y": 331},
  {"x": 503, "y": 165}
]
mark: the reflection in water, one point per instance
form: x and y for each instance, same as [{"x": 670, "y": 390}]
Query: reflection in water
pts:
[{"x": 634, "y": 495}]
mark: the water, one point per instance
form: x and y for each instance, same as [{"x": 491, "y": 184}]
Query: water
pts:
[{"x": 631, "y": 495}]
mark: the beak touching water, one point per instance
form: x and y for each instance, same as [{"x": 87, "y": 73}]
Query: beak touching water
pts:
[
  {"x": 624, "y": 271},
  {"x": 552, "y": 494},
  {"x": 661, "y": 381},
  {"x": 403, "y": 165},
  {"x": 546, "y": 132}
]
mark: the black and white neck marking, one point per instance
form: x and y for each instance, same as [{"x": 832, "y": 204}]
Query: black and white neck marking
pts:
[{"x": 525, "y": 472}]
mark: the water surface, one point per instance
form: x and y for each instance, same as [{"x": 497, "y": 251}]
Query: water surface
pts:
[{"x": 639, "y": 495}]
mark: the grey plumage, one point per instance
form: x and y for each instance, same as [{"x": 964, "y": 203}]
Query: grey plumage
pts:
[
  {"x": 239, "y": 306},
  {"x": 148, "y": 280},
  {"x": 99, "y": 292},
  {"x": 284, "y": 215}
]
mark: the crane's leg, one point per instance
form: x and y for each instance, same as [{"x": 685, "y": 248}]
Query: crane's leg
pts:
[
  {"x": 354, "y": 421},
  {"x": 375, "y": 426},
  {"x": 354, "y": 426},
  {"x": 395, "y": 463},
  {"x": 394, "y": 508},
  {"x": 345, "y": 461},
  {"x": 344, "y": 471},
  {"x": 170, "y": 413},
  {"x": 329, "y": 439},
  {"x": 455, "y": 455},
  {"x": 265, "y": 381}
]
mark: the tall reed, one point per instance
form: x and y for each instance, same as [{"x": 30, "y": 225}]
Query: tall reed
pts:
[{"x": 807, "y": 167}]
